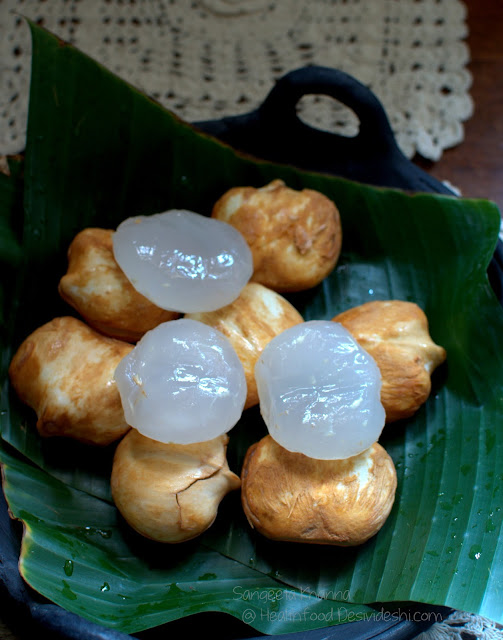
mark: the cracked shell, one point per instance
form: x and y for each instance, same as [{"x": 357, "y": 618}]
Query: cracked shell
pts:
[
  {"x": 291, "y": 497},
  {"x": 170, "y": 492}
]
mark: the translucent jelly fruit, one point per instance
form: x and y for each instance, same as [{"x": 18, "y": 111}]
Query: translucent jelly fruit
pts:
[
  {"x": 320, "y": 391},
  {"x": 182, "y": 383},
  {"x": 183, "y": 261}
]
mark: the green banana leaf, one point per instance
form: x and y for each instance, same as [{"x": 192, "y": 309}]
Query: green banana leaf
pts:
[
  {"x": 98, "y": 151},
  {"x": 78, "y": 552}
]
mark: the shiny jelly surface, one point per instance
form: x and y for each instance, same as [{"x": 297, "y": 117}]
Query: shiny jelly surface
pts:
[
  {"x": 320, "y": 391},
  {"x": 182, "y": 383},
  {"x": 183, "y": 261}
]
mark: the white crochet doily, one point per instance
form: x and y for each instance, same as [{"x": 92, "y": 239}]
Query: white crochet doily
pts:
[
  {"x": 463, "y": 626},
  {"x": 204, "y": 59}
]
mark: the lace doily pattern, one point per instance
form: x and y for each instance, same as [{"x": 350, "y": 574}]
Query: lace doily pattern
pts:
[
  {"x": 209, "y": 58},
  {"x": 463, "y": 626}
]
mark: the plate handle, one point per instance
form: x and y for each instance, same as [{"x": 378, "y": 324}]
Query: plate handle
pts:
[
  {"x": 279, "y": 109},
  {"x": 275, "y": 132}
]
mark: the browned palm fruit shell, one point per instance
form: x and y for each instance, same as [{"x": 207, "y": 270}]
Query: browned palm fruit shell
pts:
[
  {"x": 395, "y": 333},
  {"x": 251, "y": 322},
  {"x": 65, "y": 371},
  {"x": 294, "y": 236},
  {"x": 170, "y": 492},
  {"x": 98, "y": 289},
  {"x": 289, "y": 496}
]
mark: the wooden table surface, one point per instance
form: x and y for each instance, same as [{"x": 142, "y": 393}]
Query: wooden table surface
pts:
[{"x": 476, "y": 165}]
